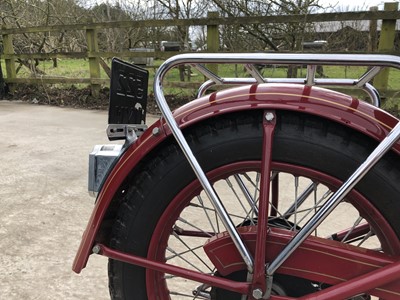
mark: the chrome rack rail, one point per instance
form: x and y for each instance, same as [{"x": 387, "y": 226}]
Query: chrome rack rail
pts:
[
  {"x": 310, "y": 80},
  {"x": 375, "y": 62}
]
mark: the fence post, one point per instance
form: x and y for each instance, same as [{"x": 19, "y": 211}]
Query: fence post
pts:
[
  {"x": 386, "y": 43},
  {"x": 213, "y": 39},
  {"x": 8, "y": 49},
  {"x": 3, "y": 87},
  {"x": 94, "y": 62},
  {"x": 373, "y": 32}
]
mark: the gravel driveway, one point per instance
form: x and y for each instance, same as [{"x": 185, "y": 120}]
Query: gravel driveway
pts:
[
  {"x": 44, "y": 201},
  {"x": 45, "y": 205}
]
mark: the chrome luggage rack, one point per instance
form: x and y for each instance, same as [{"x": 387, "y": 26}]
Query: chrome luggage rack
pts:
[
  {"x": 249, "y": 60},
  {"x": 199, "y": 61}
]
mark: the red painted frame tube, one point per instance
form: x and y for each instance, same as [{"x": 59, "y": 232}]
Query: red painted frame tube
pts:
[
  {"x": 238, "y": 287},
  {"x": 269, "y": 122},
  {"x": 355, "y": 286},
  {"x": 359, "y": 284}
]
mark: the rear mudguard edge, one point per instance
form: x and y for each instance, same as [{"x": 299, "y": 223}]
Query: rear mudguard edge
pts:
[{"x": 328, "y": 104}]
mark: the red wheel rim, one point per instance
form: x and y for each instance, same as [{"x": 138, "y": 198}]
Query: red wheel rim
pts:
[{"x": 156, "y": 284}]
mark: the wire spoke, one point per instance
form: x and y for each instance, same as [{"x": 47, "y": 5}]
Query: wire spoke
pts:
[
  {"x": 200, "y": 199},
  {"x": 194, "y": 226},
  {"x": 246, "y": 193},
  {"x": 297, "y": 199},
  {"x": 191, "y": 250},
  {"x": 184, "y": 259},
  {"x": 183, "y": 252},
  {"x": 356, "y": 223},
  {"x": 238, "y": 198}
]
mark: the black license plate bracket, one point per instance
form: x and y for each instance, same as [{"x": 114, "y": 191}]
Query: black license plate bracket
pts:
[{"x": 128, "y": 93}]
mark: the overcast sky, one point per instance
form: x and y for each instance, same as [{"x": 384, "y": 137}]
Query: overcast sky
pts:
[
  {"x": 354, "y": 4},
  {"x": 337, "y": 4}
]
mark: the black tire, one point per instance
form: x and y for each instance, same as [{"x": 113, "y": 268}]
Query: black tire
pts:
[{"x": 300, "y": 139}]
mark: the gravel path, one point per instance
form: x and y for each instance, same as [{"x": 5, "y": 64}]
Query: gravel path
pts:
[{"x": 44, "y": 201}]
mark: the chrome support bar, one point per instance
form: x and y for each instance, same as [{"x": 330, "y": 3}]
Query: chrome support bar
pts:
[
  {"x": 208, "y": 188},
  {"x": 368, "y": 76},
  {"x": 251, "y": 69},
  {"x": 311, "y": 70},
  {"x": 335, "y": 199},
  {"x": 207, "y": 73}
]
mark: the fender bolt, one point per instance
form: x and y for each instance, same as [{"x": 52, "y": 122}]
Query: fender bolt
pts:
[
  {"x": 257, "y": 294},
  {"x": 156, "y": 131},
  {"x": 96, "y": 249},
  {"x": 269, "y": 116}
]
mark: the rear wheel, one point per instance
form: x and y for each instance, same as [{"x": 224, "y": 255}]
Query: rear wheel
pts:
[{"x": 166, "y": 216}]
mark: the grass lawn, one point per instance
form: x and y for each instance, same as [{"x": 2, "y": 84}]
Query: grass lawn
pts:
[{"x": 79, "y": 68}]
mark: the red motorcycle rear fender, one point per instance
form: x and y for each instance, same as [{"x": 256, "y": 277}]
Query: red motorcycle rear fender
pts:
[{"x": 328, "y": 104}]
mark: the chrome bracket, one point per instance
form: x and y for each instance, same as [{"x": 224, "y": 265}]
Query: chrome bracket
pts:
[
  {"x": 129, "y": 132},
  {"x": 269, "y": 281}
]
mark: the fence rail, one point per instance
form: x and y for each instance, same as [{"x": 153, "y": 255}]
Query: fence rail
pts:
[
  {"x": 389, "y": 17},
  {"x": 322, "y": 17}
]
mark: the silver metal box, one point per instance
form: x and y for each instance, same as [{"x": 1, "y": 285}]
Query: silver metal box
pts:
[{"x": 100, "y": 162}]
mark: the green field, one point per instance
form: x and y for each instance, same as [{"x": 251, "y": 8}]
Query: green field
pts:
[{"x": 79, "y": 68}]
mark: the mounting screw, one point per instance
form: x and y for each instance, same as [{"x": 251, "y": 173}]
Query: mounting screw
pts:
[
  {"x": 156, "y": 131},
  {"x": 96, "y": 249},
  {"x": 257, "y": 294},
  {"x": 269, "y": 116}
]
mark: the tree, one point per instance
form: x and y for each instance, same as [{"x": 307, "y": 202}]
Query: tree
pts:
[
  {"x": 117, "y": 39},
  {"x": 265, "y": 36},
  {"x": 182, "y": 9},
  {"x": 261, "y": 37},
  {"x": 28, "y": 13}
]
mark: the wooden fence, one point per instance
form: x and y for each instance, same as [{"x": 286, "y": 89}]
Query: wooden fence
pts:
[{"x": 388, "y": 16}]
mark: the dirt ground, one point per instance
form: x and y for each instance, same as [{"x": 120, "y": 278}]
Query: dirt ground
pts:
[
  {"x": 45, "y": 205},
  {"x": 44, "y": 201}
]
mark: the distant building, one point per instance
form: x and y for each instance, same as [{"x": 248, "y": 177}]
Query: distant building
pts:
[{"x": 346, "y": 35}]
